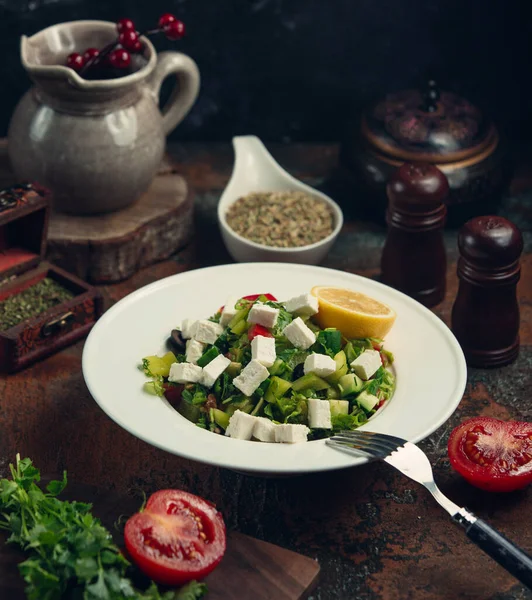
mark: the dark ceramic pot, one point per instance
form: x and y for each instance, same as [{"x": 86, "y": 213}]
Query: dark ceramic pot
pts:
[{"x": 428, "y": 126}]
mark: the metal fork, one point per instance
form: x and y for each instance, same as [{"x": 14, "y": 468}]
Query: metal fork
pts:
[{"x": 413, "y": 462}]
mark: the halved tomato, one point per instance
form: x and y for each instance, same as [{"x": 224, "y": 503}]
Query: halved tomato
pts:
[
  {"x": 176, "y": 538},
  {"x": 491, "y": 454}
]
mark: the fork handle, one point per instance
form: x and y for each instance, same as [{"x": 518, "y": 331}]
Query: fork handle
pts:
[{"x": 505, "y": 552}]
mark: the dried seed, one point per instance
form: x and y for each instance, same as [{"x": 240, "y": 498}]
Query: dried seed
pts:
[{"x": 284, "y": 219}]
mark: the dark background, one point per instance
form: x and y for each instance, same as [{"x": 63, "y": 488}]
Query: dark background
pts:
[{"x": 301, "y": 69}]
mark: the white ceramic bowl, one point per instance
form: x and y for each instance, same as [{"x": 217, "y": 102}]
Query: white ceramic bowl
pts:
[
  {"x": 429, "y": 365},
  {"x": 255, "y": 170}
]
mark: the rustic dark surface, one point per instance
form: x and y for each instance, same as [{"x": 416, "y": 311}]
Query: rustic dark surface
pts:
[{"x": 377, "y": 535}]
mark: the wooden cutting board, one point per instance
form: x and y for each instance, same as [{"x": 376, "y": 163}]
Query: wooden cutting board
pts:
[{"x": 250, "y": 570}]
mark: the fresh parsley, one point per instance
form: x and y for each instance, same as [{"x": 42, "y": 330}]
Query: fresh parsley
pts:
[{"x": 69, "y": 550}]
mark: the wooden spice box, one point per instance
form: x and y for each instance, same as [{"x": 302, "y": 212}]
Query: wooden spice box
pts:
[{"x": 24, "y": 215}]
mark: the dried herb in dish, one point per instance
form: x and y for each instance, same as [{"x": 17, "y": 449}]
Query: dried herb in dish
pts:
[
  {"x": 31, "y": 302},
  {"x": 285, "y": 219}
]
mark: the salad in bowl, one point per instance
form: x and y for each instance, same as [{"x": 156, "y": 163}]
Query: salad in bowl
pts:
[{"x": 285, "y": 371}]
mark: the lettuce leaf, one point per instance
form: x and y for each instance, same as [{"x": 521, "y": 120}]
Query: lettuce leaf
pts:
[
  {"x": 195, "y": 394},
  {"x": 351, "y": 421}
]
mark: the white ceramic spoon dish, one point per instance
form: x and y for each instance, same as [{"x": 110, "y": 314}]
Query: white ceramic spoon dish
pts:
[{"x": 255, "y": 170}]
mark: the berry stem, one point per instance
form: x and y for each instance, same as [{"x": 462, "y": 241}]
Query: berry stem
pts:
[{"x": 98, "y": 58}]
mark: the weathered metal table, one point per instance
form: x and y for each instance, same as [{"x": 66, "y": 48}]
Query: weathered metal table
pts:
[{"x": 376, "y": 534}]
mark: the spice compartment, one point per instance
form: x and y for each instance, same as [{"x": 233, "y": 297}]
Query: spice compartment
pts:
[
  {"x": 45, "y": 331},
  {"x": 23, "y": 228}
]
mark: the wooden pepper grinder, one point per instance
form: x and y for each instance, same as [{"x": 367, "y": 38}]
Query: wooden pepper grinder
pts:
[
  {"x": 413, "y": 258},
  {"x": 485, "y": 316}
]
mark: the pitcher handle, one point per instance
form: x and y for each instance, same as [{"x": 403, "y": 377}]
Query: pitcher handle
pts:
[{"x": 184, "y": 93}]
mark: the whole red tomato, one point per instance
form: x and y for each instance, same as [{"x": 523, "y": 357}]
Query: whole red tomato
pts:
[
  {"x": 491, "y": 454},
  {"x": 176, "y": 538}
]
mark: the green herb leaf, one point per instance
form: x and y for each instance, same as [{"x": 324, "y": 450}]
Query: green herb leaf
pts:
[
  {"x": 192, "y": 591},
  {"x": 56, "y": 487},
  {"x": 284, "y": 318},
  {"x": 146, "y": 367},
  {"x": 343, "y": 422},
  {"x": 195, "y": 394},
  {"x": 69, "y": 549},
  {"x": 330, "y": 340}
]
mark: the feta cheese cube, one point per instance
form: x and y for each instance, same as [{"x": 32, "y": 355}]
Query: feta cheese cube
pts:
[
  {"x": 229, "y": 311},
  {"x": 194, "y": 351},
  {"x": 264, "y": 315},
  {"x": 291, "y": 434},
  {"x": 240, "y": 426},
  {"x": 214, "y": 369},
  {"x": 252, "y": 375},
  {"x": 264, "y": 429},
  {"x": 185, "y": 373},
  {"x": 366, "y": 365},
  {"x": 319, "y": 413},
  {"x": 188, "y": 328},
  {"x": 263, "y": 350},
  {"x": 306, "y": 304},
  {"x": 207, "y": 332},
  {"x": 321, "y": 364},
  {"x": 299, "y": 334}
]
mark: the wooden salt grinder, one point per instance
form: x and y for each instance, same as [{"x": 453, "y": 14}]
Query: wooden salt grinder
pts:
[
  {"x": 485, "y": 316},
  {"x": 413, "y": 259}
]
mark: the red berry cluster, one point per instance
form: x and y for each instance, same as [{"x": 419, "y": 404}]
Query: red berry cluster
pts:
[{"x": 118, "y": 53}]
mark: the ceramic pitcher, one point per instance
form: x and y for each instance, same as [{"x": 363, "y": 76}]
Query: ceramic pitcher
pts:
[{"x": 96, "y": 144}]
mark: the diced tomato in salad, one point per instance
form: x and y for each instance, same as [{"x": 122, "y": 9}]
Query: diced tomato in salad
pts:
[
  {"x": 173, "y": 393},
  {"x": 253, "y": 297},
  {"x": 256, "y": 330}
]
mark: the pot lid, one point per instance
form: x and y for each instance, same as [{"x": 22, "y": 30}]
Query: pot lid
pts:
[{"x": 428, "y": 125}]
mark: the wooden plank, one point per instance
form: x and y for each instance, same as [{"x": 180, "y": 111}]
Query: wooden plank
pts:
[
  {"x": 250, "y": 570},
  {"x": 112, "y": 247},
  {"x": 254, "y": 569}
]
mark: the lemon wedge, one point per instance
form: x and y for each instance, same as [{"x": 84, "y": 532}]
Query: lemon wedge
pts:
[{"x": 353, "y": 313}]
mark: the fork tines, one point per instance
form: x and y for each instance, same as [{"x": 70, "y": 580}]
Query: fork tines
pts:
[{"x": 376, "y": 445}]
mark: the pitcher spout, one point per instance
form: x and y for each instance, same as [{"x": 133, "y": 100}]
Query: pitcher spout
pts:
[{"x": 44, "y": 54}]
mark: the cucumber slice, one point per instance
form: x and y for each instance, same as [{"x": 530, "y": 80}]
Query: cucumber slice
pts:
[
  {"x": 333, "y": 392},
  {"x": 234, "y": 369},
  {"x": 310, "y": 381},
  {"x": 367, "y": 401},
  {"x": 339, "y": 407},
  {"x": 277, "y": 388},
  {"x": 221, "y": 418},
  {"x": 350, "y": 384},
  {"x": 341, "y": 367}
]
